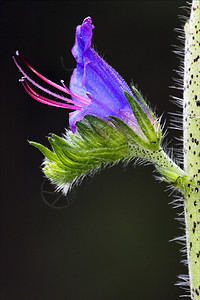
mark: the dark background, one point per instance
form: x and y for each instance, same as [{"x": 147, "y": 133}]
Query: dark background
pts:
[{"x": 113, "y": 241}]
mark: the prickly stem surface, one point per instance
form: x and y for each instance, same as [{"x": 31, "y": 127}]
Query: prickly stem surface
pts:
[{"x": 191, "y": 132}]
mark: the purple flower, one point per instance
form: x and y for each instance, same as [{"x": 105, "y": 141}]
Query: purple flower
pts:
[{"x": 95, "y": 88}]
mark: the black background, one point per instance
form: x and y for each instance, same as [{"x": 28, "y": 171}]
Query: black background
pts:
[{"x": 113, "y": 241}]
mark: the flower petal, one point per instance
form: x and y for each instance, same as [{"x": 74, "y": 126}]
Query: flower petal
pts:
[{"x": 95, "y": 77}]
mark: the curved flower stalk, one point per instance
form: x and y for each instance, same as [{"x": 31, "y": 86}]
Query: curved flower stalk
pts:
[{"x": 110, "y": 121}]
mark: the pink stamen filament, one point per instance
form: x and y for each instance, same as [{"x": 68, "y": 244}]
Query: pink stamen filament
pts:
[
  {"x": 55, "y": 85},
  {"x": 46, "y": 90},
  {"x": 76, "y": 95},
  {"x": 45, "y": 100}
]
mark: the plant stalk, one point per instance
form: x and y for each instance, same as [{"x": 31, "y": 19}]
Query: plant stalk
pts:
[{"x": 191, "y": 136}]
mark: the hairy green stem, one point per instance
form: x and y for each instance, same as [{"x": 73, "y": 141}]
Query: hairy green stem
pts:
[
  {"x": 170, "y": 171},
  {"x": 191, "y": 128}
]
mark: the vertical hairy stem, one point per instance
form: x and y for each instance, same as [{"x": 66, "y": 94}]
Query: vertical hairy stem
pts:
[{"x": 191, "y": 128}]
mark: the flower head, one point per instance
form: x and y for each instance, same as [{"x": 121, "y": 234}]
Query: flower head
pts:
[
  {"x": 109, "y": 121},
  {"x": 95, "y": 88}
]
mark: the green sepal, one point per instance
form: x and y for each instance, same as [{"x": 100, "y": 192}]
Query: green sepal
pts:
[
  {"x": 80, "y": 156},
  {"x": 69, "y": 151},
  {"x": 62, "y": 157},
  {"x": 134, "y": 135},
  {"x": 105, "y": 130},
  {"x": 46, "y": 152},
  {"x": 142, "y": 101},
  {"x": 96, "y": 142},
  {"x": 143, "y": 120}
]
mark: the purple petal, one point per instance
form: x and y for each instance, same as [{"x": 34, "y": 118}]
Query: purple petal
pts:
[{"x": 94, "y": 77}]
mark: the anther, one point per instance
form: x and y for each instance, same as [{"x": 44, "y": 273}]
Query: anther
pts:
[{"x": 22, "y": 79}]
